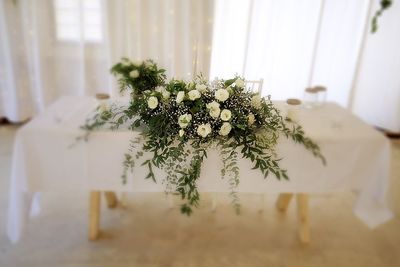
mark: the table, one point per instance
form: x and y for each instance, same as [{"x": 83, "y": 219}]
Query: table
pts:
[{"x": 358, "y": 159}]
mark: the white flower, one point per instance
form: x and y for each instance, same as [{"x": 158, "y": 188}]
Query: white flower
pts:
[
  {"x": 180, "y": 96},
  {"x": 201, "y": 88},
  {"x": 213, "y": 107},
  {"x": 215, "y": 113},
  {"x": 239, "y": 83},
  {"x": 226, "y": 115},
  {"x": 204, "y": 129},
  {"x": 134, "y": 74},
  {"x": 181, "y": 132},
  {"x": 184, "y": 120},
  {"x": 225, "y": 129},
  {"x": 152, "y": 102},
  {"x": 194, "y": 94},
  {"x": 166, "y": 94},
  {"x": 250, "y": 119},
  {"x": 256, "y": 101},
  {"x": 221, "y": 95}
]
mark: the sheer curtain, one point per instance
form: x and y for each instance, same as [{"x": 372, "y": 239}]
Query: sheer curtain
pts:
[
  {"x": 50, "y": 48},
  {"x": 294, "y": 44}
]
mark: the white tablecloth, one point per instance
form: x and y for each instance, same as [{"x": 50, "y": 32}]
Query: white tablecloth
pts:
[{"x": 358, "y": 159}]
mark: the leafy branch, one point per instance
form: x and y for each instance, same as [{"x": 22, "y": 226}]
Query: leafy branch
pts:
[{"x": 230, "y": 170}]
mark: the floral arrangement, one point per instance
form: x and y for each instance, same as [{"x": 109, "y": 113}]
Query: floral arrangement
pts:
[{"x": 181, "y": 120}]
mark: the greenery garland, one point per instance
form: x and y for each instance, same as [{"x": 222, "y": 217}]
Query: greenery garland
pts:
[{"x": 179, "y": 121}]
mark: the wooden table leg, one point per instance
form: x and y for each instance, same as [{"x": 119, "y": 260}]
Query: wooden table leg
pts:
[
  {"x": 214, "y": 202},
  {"x": 170, "y": 198},
  {"x": 94, "y": 214},
  {"x": 124, "y": 200},
  {"x": 283, "y": 201},
  {"x": 262, "y": 199},
  {"x": 303, "y": 217},
  {"x": 111, "y": 199}
]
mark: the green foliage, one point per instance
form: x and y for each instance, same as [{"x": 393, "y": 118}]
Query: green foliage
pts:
[
  {"x": 180, "y": 121},
  {"x": 149, "y": 76},
  {"x": 384, "y": 5},
  {"x": 230, "y": 170}
]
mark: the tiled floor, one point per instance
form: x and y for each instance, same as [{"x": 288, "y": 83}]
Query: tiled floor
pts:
[{"x": 147, "y": 233}]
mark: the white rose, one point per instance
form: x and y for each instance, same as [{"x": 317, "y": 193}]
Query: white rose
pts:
[
  {"x": 184, "y": 120},
  {"x": 226, "y": 115},
  {"x": 204, "y": 129},
  {"x": 134, "y": 74},
  {"x": 225, "y": 129},
  {"x": 251, "y": 119},
  {"x": 215, "y": 113},
  {"x": 213, "y": 105},
  {"x": 239, "y": 83},
  {"x": 166, "y": 94},
  {"x": 152, "y": 102},
  {"x": 194, "y": 94},
  {"x": 180, "y": 96},
  {"x": 201, "y": 88},
  {"x": 221, "y": 95},
  {"x": 256, "y": 101},
  {"x": 181, "y": 132},
  {"x": 213, "y": 108}
]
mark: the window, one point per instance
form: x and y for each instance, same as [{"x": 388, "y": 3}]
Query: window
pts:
[{"x": 78, "y": 20}]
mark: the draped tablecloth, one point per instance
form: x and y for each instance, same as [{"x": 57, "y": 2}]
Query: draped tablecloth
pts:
[{"x": 46, "y": 158}]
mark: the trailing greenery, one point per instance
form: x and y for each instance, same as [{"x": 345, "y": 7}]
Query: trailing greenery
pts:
[
  {"x": 180, "y": 121},
  {"x": 384, "y": 5},
  {"x": 230, "y": 170}
]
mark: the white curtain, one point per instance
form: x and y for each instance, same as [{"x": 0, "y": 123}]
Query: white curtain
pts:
[
  {"x": 294, "y": 44},
  {"x": 50, "y": 48}
]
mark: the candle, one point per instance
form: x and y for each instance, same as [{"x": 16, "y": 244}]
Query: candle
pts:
[
  {"x": 293, "y": 106},
  {"x": 102, "y": 98}
]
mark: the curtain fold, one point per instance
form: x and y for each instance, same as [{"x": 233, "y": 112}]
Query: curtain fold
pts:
[{"x": 291, "y": 44}]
